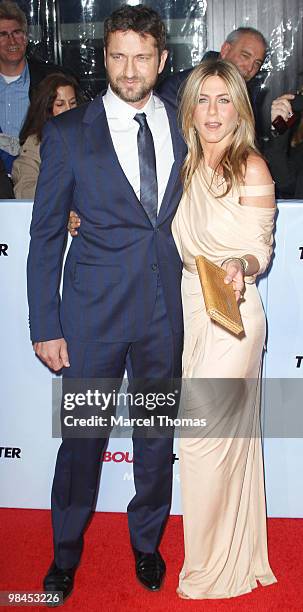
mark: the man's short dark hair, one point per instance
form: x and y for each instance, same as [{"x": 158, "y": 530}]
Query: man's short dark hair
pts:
[
  {"x": 140, "y": 19},
  {"x": 11, "y": 11}
]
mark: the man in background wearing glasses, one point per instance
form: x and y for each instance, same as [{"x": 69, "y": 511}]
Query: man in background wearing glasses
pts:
[{"x": 19, "y": 76}]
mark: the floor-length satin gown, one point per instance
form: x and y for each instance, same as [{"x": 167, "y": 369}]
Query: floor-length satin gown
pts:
[{"x": 222, "y": 482}]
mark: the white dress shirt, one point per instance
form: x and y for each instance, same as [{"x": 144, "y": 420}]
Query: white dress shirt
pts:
[{"x": 124, "y": 129}]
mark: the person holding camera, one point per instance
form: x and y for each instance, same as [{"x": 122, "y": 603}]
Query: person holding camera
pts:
[{"x": 284, "y": 151}]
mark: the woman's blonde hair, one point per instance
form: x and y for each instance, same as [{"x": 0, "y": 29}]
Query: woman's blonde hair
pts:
[{"x": 233, "y": 160}]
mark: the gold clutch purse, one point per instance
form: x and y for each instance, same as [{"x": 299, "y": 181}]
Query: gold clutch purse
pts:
[{"x": 220, "y": 300}]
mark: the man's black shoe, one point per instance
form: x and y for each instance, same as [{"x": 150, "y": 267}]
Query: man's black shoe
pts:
[
  {"x": 150, "y": 569},
  {"x": 60, "y": 580}
]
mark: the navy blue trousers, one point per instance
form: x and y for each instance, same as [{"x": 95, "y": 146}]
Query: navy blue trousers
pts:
[{"x": 75, "y": 486}]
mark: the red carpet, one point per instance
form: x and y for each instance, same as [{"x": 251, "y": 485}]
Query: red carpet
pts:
[{"x": 105, "y": 581}]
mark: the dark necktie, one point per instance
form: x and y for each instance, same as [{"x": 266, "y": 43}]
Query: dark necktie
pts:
[{"x": 147, "y": 164}]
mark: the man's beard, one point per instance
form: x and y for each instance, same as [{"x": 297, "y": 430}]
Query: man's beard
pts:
[{"x": 128, "y": 95}]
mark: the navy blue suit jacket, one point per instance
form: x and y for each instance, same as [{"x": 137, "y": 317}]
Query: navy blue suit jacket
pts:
[{"x": 112, "y": 267}]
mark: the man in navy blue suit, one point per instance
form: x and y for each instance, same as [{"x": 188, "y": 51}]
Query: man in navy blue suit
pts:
[{"x": 116, "y": 162}]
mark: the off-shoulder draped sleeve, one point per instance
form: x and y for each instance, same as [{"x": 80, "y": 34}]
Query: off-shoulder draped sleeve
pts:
[{"x": 217, "y": 226}]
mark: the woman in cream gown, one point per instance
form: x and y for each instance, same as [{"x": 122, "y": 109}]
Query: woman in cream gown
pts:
[{"x": 226, "y": 213}]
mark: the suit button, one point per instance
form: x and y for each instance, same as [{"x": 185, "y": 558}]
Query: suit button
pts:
[{"x": 154, "y": 267}]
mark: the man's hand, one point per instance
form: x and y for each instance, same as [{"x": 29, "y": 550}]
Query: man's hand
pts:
[
  {"x": 281, "y": 106},
  {"x": 73, "y": 223},
  {"x": 235, "y": 275},
  {"x": 53, "y": 353}
]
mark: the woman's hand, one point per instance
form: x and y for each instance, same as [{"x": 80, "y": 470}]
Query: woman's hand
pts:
[
  {"x": 73, "y": 223},
  {"x": 235, "y": 275}
]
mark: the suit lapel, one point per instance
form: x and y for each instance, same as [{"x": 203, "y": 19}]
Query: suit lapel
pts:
[
  {"x": 100, "y": 145},
  {"x": 103, "y": 151}
]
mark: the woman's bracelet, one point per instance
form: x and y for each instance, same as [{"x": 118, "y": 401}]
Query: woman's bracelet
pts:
[{"x": 244, "y": 263}]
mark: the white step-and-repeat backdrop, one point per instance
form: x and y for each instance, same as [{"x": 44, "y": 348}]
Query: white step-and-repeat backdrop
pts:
[{"x": 27, "y": 449}]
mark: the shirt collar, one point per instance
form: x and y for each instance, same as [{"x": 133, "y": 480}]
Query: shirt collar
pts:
[{"x": 118, "y": 109}]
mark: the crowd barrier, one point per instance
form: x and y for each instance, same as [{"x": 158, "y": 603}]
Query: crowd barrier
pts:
[{"x": 27, "y": 449}]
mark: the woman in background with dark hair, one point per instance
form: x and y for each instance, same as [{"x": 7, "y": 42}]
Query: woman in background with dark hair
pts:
[{"x": 56, "y": 94}]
